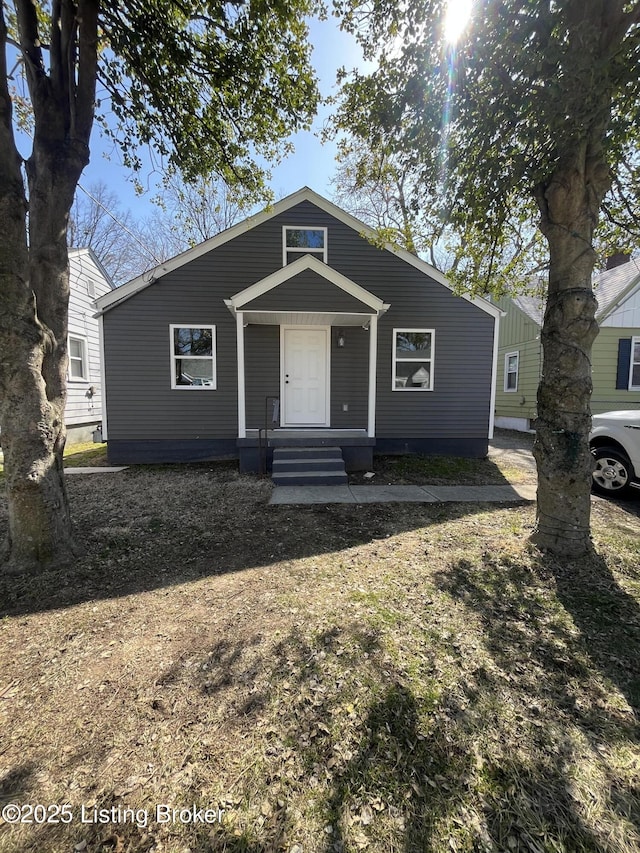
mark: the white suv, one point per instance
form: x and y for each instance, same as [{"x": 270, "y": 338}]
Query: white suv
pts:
[{"x": 615, "y": 445}]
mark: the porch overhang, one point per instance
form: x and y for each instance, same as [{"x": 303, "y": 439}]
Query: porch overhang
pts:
[
  {"x": 367, "y": 308},
  {"x": 302, "y": 318},
  {"x": 370, "y": 303}
]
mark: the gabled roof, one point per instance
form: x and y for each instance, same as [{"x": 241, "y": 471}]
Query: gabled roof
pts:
[
  {"x": 307, "y": 262},
  {"x": 134, "y": 286},
  {"x": 366, "y": 303},
  {"x": 532, "y": 306},
  {"x": 87, "y": 250},
  {"x": 610, "y": 287}
]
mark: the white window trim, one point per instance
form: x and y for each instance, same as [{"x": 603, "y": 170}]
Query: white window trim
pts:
[
  {"x": 84, "y": 358},
  {"x": 212, "y": 357},
  {"x": 507, "y": 356},
  {"x": 316, "y": 253},
  {"x": 431, "y": 360},
  {"x": 630, "y": 386}
]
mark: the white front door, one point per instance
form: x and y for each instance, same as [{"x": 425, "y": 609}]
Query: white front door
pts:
[{"x": 305, "y": 376}]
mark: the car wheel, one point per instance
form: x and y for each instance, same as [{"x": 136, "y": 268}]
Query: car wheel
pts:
[{"x": 612, "y": 474}]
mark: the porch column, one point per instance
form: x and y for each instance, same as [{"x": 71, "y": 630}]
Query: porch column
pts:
[
  {"x": 373, "y": 371},
  {"x": 242, "y": 419}
]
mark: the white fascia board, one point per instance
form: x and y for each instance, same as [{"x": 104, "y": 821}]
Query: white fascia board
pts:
[
  {"x": 74, "y": 253},
  {"x": 136, "y": 284},
  {"x": 626, "y": 294},
  {"x": 308, "y": 262},
  {"x": 424, "y": 267},
  {"x": 305, "y": 194}
]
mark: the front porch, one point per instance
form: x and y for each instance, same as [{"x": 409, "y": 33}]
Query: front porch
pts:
[
  {"x": 307, "y": 336},
  {"x": 254, "y": 451}
]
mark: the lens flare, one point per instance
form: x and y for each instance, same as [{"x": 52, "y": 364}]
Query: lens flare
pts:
[{"x": 456, "y": 19}]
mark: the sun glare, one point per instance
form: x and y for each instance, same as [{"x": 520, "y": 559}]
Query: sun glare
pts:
[{"x": 456, "y": 19}]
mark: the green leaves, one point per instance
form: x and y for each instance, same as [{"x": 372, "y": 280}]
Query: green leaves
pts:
[
  {"x": 209, "y": 86},
  {"x": 479, "y": 126}
]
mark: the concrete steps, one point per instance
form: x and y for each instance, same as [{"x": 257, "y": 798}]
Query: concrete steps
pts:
[{"x": 308, "y": 466}]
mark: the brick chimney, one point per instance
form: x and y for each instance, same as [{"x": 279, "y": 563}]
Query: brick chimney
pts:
[{"x": 617, "y": 260}]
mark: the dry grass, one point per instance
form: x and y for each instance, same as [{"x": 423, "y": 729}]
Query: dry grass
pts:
[
  {"x": 443, "y": 470},
  {"x": 335, "y": 678},
  {"x": 86, "y": 454}
]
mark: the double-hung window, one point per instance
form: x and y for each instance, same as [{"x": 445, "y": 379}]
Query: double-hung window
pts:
[
  {"x": 297, "y": 242},
  {"x": 634, "y": 365},
  {"x": 413, "y": 356},
  {"x": 193, "y": 356},
  {"x": 78, "y": 364},
  {"x": 511, "y": 360}
]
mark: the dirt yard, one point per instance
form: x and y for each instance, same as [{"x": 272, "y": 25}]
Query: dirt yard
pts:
[{"x": 216, "y": 674}]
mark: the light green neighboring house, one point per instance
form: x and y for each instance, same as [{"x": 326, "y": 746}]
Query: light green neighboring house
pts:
[{"x": 615, "y": 354}]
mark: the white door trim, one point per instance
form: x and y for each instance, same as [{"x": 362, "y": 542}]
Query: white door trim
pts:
[{"x": 283, "y": 401}]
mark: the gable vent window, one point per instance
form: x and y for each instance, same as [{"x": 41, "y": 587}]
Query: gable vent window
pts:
[{"x": 297, "y": 242}]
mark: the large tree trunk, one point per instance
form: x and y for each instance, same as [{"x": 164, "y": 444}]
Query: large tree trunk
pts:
[
  {"x": 34, "y": 374},
  {"x": 569, "y": 204},
  {"x": 33, "y": 342},
  {"x": 34, "y": 278}
]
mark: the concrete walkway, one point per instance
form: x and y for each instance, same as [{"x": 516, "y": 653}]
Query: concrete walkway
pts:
[
  {"x": 514, "y": 449},
  {"x": 102, "y": 469},
  {"x": 400, "y": 494}
]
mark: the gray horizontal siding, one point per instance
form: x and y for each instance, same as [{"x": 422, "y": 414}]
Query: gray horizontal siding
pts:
[
  {"x": 142, "y": 404},
  {"x": 350, "y": 379},
  {"x": 262, "y": 371}
]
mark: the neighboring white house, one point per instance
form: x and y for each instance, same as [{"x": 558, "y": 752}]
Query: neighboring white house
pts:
[{"x": 88, "y": 281}]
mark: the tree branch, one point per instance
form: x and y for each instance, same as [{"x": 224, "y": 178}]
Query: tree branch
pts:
[
  {"x": 7, "y": 138},
  {"x": 31, "y": 48},
  {"x": 88, "y": 65}
]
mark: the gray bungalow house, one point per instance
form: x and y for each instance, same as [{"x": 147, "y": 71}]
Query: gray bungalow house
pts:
[{"x": 292, "y": 321}]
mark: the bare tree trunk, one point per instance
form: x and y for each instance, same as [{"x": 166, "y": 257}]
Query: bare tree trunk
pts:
[{"x": 569, "y": 205}]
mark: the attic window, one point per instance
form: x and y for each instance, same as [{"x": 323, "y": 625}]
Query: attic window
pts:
[{"x": 297, "y": 242}]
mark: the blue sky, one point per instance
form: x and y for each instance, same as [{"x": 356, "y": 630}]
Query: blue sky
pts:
[{"x": 312, "y": 164}]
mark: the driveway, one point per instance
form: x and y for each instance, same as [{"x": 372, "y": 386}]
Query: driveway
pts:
[{"x": 513, "y": 449}]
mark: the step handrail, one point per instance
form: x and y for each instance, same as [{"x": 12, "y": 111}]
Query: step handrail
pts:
[{"x": 275, "y": 422}]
